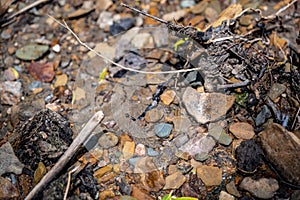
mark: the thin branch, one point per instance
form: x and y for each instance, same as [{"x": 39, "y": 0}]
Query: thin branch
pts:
[
  {"x": 69, "y": 181},
  {"x": 65, "y": 25},
  {"x": 34, "y": 4},
  {"x": 66, "y": 157}
]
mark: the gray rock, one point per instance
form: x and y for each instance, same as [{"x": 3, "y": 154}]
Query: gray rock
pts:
[
  {"x": 263, "y": 188},
  {"x": 151, "y": 152},
  {"x": 180, "y": 140},
  {"x": 163, "y": 130},
  {"x": 201, "y": 156},
  {"x": 199, "y": 144},
  {"x": 11, "y": 92},
  {"x": 276, "y": 90},
  {"x": 8, "y": 160},
  {"x": 206, "y": 107},
  {"x": 263, "y": 115},
  {"x": 187, "y": 3},
  {"x": 108, "y": 140},
  {"x": 218, "y": 133}
]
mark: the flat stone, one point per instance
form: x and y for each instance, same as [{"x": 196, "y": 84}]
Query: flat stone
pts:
[
  {"x": 198, "y": 144},
  {"x": 128, "y": 150},
  {"x": 180, "y": 140},
  {"x": 282, "y": 149},
  {"x": 142, "y": 40},
  {"x": 263, "y": 115},
  {"x": 105, "y": 50},
  {"x": 153, "y": 115},
  {"x": 8, "y": 160},
  {"x": 206, "y": 107},
  {"x": 219, "y": 134},
  {"x": 231, "y": 189},
  {"x": 153, "y": 181},
  {"x": 102, "y": 171},
  {"x": 151, "y": 152},
  {"x": 242, "y": 130},
  {"x": 263, "y": 188},
  {"x": 225, "y": 196},
  {"x": 167, "y": 97},
  {"x": 174, "y": 181},
  {"x": 108, "y": 140},
  {"x": 163, "y": 130},
  {"x": 8, "y": 190},
  {"x": 211, "y": 176},
  {"x": 144, "y": 165},
  {"x": 140, "y": 193},
  {"x": 201, "y": 156},
  {"x": 276, "y": 90}
]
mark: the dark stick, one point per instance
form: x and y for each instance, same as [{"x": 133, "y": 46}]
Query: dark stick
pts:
[{"x": 144, "y": 13}]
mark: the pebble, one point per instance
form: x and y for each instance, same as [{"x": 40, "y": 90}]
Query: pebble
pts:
[
  {"x": 167, "y": 97},
  {"x": 181, "y": 140},
  {"x": 153, "y": 115},
  {"x": 206, "y": 107},
  {"x": 142, "y": 40},
  {"x": 281, "y": 148},
  {"x": 11, "y": 74},
  {"x": 102, "y": 171},
  {"x": 128, "y": 150},
  {"x": 181, "y": 123},
  {"x": 11, "y": 92},
  {"x": 61, "y": 80},
  {"x": 194, "y": 79},
  {"x": 201, "y": 156},
  {"x": 198, "y": 144},
  {"x": 242, "y": 130},
  {"x": 174, "y": 181},
  {"x": 7, "y": 33},
  {"x": 56, "y": 48},
  {"x": 263, "y": 188},
  {"x": 151, "y": 152},
  {"x": 225, "y": 196},
  {"x": 211, "y": 176},
  {"x": 263, "y": 115},
  {"x": 163, "y": 130},
  {"x": 121, "y": 25},
  {"x": 8, "y": 190},
  {"x": 219, "y": 134},
  {"x": 31, "y": 51},
  {"x": 8, "y": 161},
  {"x": 276, "y": 90},
  {"x": 153, "y": 181},
  {"x": 176, "y": 15},
  {"x": 187, "y": 3},
  {"x": 140, "y": 150},
  {"x": 144, "y": 165},
  {"x": 108, "y": 140},
  {"x": 231, "y": 189}
]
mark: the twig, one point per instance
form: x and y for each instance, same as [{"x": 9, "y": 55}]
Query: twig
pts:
[
  {"x": 144, "y": 13},
  {"x": 65, "y": 25},
  {"x": 295, "y": 119},
  {"x": 234, "y": 85},
  {"x": 69, "y": 181},
  {"x": 66, "y": 157},
  {"x": 34, "y": 4}
]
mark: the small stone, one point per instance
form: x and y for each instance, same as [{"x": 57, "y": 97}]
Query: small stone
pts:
[
  {"x": 263, "y": 188},
  {"x": 105, "y": 50},
  {"x": 108, "y": 140},
  {"x": 263, "y": 115},
  {"x": 163, "y": 130},
  {"x": 31, "y": 51},
  {"x": 34, "y": 85},
  {"x": 144, "y": 165},
  {"x": 246, "y": 20},
  {"x": 201, "y": 156},
  {"x": 11, "y": 74},
  {"x": 231, "y": 189},
  {"x": 153, "y": 115},
  {"x": 174, "y": 181},
  {"x": 99, "y": 173},
  {"x": 167, "y": 97},
  {"x": 153, "y": 181},
  {"x": 151, "y": 152},
  {"x": 61, "y": 80},
  {"x": 121, "y": 25},
  {"x": 56, "y": 48},
  {"x": 8, "y": 160},
  {"x": 187, "y": 3},
  {"x": 128, "y": 150},
  {"x": 140, "y": 150},
  {"x": 181, "y": 140},
  {"x": 106, "y": 194},
  {"x": 219, "y": 134},
  {"x": 172, "y": 169},
  {"x": 176, "y": 15},
  {"x": 140, "y": 193},
  {"x": 211, "y": 176},
  {"x": 242, "y": 130},
  {"x": 225, "y": 196},
  {"x": 8, "y": 190},
  {"x": 198, "y": 144},
  {"x": 7, "y": 33},
  {"x": 206, "y": 107},
  {"x": 276, "y": 90},
  {"x": 11, "y": 92}
]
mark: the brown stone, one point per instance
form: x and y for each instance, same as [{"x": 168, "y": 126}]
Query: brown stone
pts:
[
  {"x": 282, "y": 148},
  {"x": 242, "y": 130},
  {"x": 211, "y": 176},
  {"x": 7, "y": 189},
  {"x": 174, "y": 181},
  {"x": 153, "y": 181},
  {"x": 140, "y": 193}
]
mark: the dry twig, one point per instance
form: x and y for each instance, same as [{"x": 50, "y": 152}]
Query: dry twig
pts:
[{"x": 66, "y": 157}]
